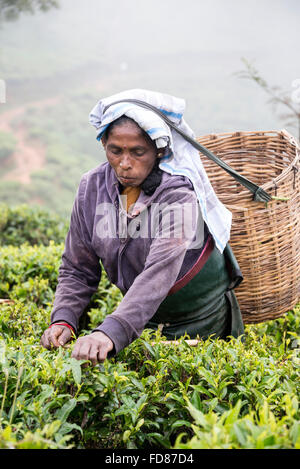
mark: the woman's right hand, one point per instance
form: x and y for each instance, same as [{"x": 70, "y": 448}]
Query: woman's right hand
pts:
[{"x": 56, "y": 336}]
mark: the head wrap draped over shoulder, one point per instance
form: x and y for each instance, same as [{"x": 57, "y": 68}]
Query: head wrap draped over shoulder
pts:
[{"x": 180, "y": 157}]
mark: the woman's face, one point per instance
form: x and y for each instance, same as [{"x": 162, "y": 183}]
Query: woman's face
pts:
[{"x": 131, "y": 155}]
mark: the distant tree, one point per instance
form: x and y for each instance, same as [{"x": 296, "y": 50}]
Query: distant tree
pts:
[
  {"x": 10, "y": 10},
  {"x": 278, "y": 96}
]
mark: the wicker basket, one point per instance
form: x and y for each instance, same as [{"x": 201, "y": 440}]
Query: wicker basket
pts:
[{"x": 265, "y": 238}]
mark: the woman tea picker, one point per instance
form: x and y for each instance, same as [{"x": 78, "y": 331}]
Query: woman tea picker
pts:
[{"x": 150, "y": 215}]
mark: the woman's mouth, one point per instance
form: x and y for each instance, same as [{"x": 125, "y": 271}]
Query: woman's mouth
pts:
[{"x": 126, "y": 179}]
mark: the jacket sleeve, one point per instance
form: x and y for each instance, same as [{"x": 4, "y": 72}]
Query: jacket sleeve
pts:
[
  {"x": 152, "y": 285},
  {"x": 80, "y": 269}
]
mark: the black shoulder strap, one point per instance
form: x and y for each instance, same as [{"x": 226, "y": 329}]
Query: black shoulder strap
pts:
[{"x": 259, "y": 194}]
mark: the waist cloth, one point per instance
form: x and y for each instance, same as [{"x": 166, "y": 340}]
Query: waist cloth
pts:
[{"x": 206, "y": 305}]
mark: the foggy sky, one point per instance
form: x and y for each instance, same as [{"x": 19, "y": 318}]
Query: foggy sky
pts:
[{"x": 188, "y": 48}]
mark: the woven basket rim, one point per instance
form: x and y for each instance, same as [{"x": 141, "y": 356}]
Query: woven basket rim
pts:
[
  {"x": 239, "y": 133},
  {"x": 281, "y": 132}
]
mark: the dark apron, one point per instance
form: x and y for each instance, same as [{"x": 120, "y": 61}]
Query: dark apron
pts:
[{"x": 206, "y": 305}]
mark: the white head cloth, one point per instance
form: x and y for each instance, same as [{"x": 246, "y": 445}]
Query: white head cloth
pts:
[{"x": 180, "y": 157}]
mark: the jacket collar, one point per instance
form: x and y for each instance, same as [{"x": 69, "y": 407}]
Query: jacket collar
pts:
[{"x": 167, "y": 182}]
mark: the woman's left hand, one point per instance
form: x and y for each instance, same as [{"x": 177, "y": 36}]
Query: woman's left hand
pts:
[{"x": 93, "y": 347}]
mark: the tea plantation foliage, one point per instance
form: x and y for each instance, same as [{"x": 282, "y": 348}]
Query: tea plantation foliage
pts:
[{"x": 220, "y": 394}]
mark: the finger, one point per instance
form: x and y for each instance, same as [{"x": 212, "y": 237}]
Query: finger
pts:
[
  {"x": 102, "y": 353},
  {"x": 76, "y": 349},
  {"x": 65, "y": 336},
  {"x": 54, "y": 334},
  {"x": 93, "y": 355},
  {"x": 45, "y": 340},
  {"x": 42, "y": 340},
  {"x": 84, "y": 350},
  {"x": 81, "y": 349}
]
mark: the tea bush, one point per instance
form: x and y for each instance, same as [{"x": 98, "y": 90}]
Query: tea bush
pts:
[
  {"x": 32, "y": 225},
  {"x": 219, "y": 394}
]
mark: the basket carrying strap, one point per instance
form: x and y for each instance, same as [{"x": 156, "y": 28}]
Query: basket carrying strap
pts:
[{"x": 259, "y": 194}]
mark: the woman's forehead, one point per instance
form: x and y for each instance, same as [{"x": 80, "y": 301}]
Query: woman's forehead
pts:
[
  {"x": 129, "y": 131},
  {"x": 126, "y": 127}
]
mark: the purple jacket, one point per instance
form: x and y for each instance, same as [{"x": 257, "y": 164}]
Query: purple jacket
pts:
[{"x": 143, "y": 267}]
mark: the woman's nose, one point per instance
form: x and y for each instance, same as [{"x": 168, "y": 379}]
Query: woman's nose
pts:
[{"x": 125, "y": 162}]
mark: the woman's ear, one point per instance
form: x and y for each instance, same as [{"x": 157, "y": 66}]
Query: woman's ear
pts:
[{"x": 103, "y": 141}]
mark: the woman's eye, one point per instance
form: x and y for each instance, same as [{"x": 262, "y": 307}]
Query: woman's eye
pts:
[
  {"x": 138, "y": 152},
  {"x": 116, "y": 151}
]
